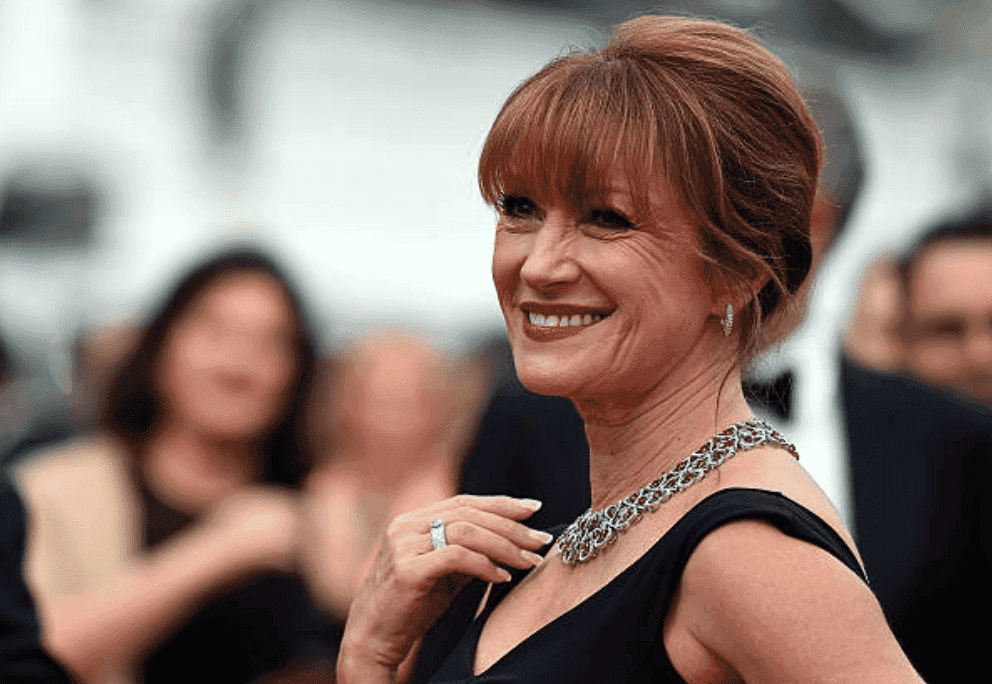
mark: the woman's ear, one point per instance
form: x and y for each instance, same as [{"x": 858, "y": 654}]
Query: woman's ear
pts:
[{"x": 736, "y": 295}]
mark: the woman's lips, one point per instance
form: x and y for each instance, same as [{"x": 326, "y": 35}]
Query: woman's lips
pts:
[{"x": 545, "y": 323}]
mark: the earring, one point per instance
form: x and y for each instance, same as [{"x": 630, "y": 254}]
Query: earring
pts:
[{"x": 728, "y": 320}]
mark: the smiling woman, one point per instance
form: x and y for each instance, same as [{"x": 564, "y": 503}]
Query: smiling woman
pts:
[{"x": 654, "y": 203}]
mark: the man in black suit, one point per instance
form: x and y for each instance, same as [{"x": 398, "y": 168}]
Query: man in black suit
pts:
[{"x": 920, "y": 449}]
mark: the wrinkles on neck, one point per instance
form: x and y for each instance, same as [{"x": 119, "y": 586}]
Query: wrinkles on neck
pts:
[{"x": 632, "y": 443}]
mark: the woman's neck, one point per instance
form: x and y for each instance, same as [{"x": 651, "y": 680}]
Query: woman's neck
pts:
[
  {"x": 191, "y": 473},
  {"x": 631, "y": 445}
]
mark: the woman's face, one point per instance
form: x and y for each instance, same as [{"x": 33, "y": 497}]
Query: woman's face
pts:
[
  {"x": 228, "y": 363},
  {"x": 635, "y": 297}
]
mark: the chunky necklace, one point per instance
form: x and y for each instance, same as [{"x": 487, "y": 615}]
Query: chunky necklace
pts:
[{"x": 593, "y": 531}]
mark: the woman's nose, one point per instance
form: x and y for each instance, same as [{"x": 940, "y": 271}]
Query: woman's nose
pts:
[{"x": 549, "y": 264}]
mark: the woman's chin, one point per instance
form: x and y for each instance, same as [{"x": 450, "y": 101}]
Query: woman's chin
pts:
[{"x": 547, "y": 383}]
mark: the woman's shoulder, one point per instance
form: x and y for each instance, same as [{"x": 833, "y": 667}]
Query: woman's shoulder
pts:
[
  {"x": 769, "y": 562},
  {"x": 778, "y": 473},
  {"x": 81, "y": 452},
  {"x": 84, "y": 468},
  {"x": 759, "y": 517}
]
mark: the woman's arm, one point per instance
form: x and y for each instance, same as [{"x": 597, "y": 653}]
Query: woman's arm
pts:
[
  {"x": 410, "y": 584},
  {"x": 775, "y": 609},
  {"x": 111, "y": 626}
]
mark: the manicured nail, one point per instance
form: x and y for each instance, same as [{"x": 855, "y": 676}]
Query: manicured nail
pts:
[
  {"x": 531, "y": 557},
  {"x": 541, "y": 536},
  {"x": 531, "y": 503}
]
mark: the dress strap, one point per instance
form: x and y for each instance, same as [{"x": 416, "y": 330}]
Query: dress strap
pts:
[{"x": 737, "y": 503}]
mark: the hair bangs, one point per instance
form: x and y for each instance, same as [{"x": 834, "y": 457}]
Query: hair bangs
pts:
[{"x": 565, "y": 137}]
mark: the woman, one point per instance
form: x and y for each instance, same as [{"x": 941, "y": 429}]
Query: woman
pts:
[
  {"x": 654, "y": 205},
  {"x": 393, "y": 450},
  {"x": 161, "y": 544}
]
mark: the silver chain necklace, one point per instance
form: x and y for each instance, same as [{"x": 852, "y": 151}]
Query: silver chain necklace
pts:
[{"x": 594, "y": 531}]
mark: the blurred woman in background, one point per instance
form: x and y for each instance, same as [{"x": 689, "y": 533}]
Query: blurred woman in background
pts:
[
  {"x": 160, "y": 545},
  {"x": 399, "y": 411}
]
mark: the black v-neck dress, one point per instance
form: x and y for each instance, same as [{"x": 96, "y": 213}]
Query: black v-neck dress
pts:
[{"x": 616, "y": 635}]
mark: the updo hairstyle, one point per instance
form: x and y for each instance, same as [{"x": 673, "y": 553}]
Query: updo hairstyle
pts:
[{"x": 699, "y": 103}]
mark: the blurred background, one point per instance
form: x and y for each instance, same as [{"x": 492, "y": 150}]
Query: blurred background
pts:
[
  {"x": 321, "y": 156},
  {"x": 343, "y": 135}
]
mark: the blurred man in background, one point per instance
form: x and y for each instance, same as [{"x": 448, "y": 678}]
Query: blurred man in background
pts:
[
  {"x": 920, "y": 447},
  {"x": 947, "y": 323}
]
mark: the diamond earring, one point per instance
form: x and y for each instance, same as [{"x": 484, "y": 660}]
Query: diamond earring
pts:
[{"x": 728, "y": 320}]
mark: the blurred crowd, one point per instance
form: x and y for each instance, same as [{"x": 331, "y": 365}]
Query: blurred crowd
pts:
[
  {"x": 212, "y": 489},
  {"x": 204, "y": 502}
]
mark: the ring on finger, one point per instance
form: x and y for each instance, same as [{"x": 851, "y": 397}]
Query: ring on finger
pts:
[{"x": 438, "y": 538}]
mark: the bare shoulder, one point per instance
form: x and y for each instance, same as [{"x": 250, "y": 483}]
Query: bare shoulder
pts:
[
  {"x": 69, "y": 459},
  {"x": 776, "y": 470},
  {"x": 81, "y": 474},
  {"x": 774, "y": 608}
]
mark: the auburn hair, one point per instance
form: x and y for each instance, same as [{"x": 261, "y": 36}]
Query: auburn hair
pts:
[{"x": 699, "y": 104}]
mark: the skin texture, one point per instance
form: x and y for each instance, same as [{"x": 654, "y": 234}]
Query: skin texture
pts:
[
  {"x": 949, "y": 324},
  {"x": 650, "y": 279}
]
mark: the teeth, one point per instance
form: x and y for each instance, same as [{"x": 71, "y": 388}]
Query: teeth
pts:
[{"x": 551, "y": 321}]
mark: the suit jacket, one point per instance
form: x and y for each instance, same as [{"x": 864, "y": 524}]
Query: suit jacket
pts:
[{"x": 921, "y": 469}]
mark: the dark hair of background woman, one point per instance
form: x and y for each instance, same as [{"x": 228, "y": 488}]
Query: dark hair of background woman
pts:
[{"x": 133, "y": 407}]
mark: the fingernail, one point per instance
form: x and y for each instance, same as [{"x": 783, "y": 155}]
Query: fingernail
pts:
[
  {"x": 504, "y": 576},
  {"x": 531, "y": 557},
  {"x": 542, "y": 537},
  {"x": 531, "y": 503}
]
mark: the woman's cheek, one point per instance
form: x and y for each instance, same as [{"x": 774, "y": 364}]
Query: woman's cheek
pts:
[{"x": 509, "y": 254}]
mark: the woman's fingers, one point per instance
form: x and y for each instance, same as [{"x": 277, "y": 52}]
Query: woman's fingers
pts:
[
  {"x": 428, "y": 568},
  {"x": 506, "y": 506},
  {"x": 498, "y": 514},
  {"x": 503, "y": 506},
  {"x": 494, "y": 545},
  {"x": 411, "y": 583}
]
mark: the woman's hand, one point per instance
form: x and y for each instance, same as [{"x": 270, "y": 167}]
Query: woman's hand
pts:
[
  {"x": 260, "y": 525},
  {"x": 411, "y": 584}
]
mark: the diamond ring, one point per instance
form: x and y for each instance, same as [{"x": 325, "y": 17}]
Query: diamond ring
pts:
[{"x": 438, "y": 539}]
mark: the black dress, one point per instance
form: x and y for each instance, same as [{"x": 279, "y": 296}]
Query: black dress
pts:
[
  {"x": 241, "y": 634},
  {"x": 616, "y": 635}
]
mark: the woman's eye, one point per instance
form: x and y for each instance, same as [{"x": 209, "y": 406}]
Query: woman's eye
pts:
[
  {"x": 609, "y": 218},
  {"x": 514, "y": 206}
]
